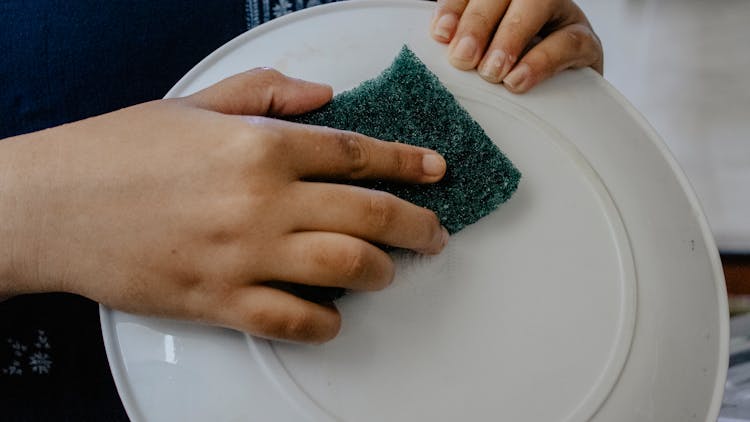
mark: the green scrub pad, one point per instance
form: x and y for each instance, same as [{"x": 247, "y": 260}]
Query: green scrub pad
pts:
[{"x": 408, "y": 103}]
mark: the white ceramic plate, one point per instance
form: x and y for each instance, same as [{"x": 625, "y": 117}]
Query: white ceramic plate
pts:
[{"x": 595, "y": 293}]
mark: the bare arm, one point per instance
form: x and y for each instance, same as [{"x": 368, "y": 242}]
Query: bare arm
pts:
[{"x": 185, "y": 208}]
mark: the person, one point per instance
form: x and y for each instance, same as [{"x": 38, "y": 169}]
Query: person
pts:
[
  {"x": 184, "y": 208},
  {"x": 518, "y": 43}
]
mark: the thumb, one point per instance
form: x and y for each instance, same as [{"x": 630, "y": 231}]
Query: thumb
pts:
[{"x": 262, "y": 92}]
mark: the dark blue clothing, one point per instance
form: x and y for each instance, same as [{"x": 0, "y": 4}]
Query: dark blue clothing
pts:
[
  {"x": 67, "y": 60},
  {"x": 62, "y": 61}
]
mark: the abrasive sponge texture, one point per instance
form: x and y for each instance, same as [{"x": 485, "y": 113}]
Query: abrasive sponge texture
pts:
[{"x": 407, "y": 103}]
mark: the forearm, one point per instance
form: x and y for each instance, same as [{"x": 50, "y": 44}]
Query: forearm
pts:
[
  {"x": 155, "y": 209},
  {"x": 22, "y": 176},
  {"x": 8, "y": 210}
]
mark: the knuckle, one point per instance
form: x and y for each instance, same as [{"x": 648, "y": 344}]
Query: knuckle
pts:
[
  {"x": 402, "y": 162},
  {"x": 273, "y": 323},
  {"x": 542, "y": 62},
  {"x": 188, "y": 281},
  {"x": 380, "y": 212},
  {"x": 584, "y": 36},
  {"x": 299, "y": 326},
  {"x": 510, "y": 26},
  {"x": 266, "y": 74},
  {"x": 575, "y": 40},
  {"x": 513, "y": 36},
  {"x": 478, "y": 22},
  {"x": 543, "y": 57},
  {"x": 229, "y": 221},
  {"x": 263, "y": 144},
  {"x": 272, "y": 146},
  {"x": 252, "y": 137},
  {"x": 354, "y": 263},
  {"x": 585, "y": 44},
  {"x": 263, "y": 81},
  {"x": 353, "y": 149},
  {"x": 258, "y": 320},
  {"x": 223, "y": 234}
]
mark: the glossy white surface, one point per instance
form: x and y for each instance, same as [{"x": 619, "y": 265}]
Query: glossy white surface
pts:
[
  {"x": 595, "y": 293},
  {"x": 684, "y": 65}
]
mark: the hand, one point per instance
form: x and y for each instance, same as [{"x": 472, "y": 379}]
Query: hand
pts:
[
  {"x": 184, "y": 208},
  {"x": 547, "y": 36}
]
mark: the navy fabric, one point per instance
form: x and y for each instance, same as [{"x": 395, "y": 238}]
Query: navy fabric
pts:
[
  {"x": 66, "y": 60},
  {"x": 62, "y": 61}
]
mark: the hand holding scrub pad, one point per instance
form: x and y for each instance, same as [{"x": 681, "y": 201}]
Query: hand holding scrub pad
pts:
[{"x": 408, "y": 103}]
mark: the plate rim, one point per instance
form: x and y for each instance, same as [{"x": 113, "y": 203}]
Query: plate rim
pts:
[
  {"x": 711, "y": 248},
  {"x": 109, "y": 333}
]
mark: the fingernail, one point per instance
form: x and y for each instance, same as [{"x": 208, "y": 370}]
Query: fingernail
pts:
[
  {"x": 465, "y": 49},
  {"x": 442, "y": 237},
  {"x": 433, "y": 164},
  {"x": 445, "y": 26},
  {"x": 517, "y": 77},
  {"x": 492, "y": 67},
  {"x": 446, "y": 236}
]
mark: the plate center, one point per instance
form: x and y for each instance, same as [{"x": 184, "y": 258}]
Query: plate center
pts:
[{"x": 528, "y": 314}]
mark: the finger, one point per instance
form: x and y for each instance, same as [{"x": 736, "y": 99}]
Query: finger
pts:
[
  {"x": 445, "y": 19},
  {"x": 330, "y": 260},
  {"x": 522, "y": 21},
  {"x": 476, "y": 26},
  {"x": 573, "y": 46},
  {"x": 319, "y": 152},
  {"x": 262, "y": 92},
  {"x": 271, "y": 313},
  {"x": 368, "y": 214}
]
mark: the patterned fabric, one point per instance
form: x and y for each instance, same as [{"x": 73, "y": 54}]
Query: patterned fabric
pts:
[
  {"x": 31, "y": 356},
  {"x": 261, "y": 11}
]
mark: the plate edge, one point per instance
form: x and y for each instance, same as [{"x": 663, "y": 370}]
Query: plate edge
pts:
[
  {"x": 708, "y": 238},
  {"x": 282, "y": 21},
  {"x": 115, "y": 361}
]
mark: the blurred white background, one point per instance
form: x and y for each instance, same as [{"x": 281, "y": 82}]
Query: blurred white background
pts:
[{"x": 685, "y": 64}]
